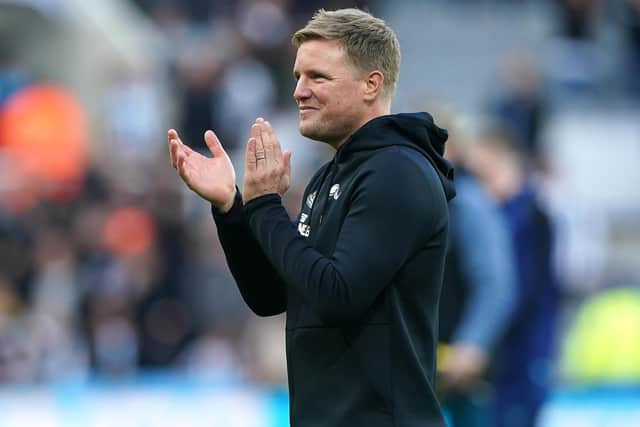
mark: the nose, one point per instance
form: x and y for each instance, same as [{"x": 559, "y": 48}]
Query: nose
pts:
[{"x": 302, "y": 90}]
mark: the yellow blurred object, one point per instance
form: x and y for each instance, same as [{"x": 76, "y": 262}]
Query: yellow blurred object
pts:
[
  {"x": 442, "y": 354},
  {"x": 603, "y": 345}
]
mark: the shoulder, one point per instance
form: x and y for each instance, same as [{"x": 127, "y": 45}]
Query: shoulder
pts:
[
  {"x": 404, "y": 170},
  {"x": 403, "y": 180}
]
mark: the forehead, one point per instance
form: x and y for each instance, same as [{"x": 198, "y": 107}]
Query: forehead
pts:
[{"x": 320, "y": 53}]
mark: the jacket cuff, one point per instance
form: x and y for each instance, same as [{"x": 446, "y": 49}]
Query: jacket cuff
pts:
[
  {"x": 254, "y": 205},
  {"x": 235, "y": 214}
]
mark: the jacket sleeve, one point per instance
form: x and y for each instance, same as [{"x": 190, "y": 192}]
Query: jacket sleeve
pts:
[
  {"x": 487, "y": 263},
  {"x": 260, "y": 285},
  {"x": 392, "y": 213}
]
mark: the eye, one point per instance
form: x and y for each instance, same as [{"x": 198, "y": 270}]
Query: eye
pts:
[{"x": 318, "y": 77}]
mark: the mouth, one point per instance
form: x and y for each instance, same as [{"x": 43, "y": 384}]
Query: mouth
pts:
[{"x": 303, "y": 109}]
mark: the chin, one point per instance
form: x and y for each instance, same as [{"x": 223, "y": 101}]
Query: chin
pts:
[{"x": 310, "y": 131}]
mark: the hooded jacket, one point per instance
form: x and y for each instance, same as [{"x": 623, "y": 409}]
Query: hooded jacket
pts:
[{"x": 359, "y": 276}]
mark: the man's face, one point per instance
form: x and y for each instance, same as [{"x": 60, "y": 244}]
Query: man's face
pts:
[{"x": 329, "y": 92}]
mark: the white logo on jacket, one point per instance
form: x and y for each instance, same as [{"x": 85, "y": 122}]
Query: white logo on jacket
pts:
[
  {"x": 335, "y": 191},
  {"x": 310, "y": 199},
  {"x": 303, "y": 229}
]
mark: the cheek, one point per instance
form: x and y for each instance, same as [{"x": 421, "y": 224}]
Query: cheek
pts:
[{"x": 343, "y": 102}]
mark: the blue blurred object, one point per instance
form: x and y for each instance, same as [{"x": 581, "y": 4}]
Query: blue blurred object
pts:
[
  {"x": 149, "y": 400},
  {"x": 11, "y": 80},
  {"x": 161, "y": 400},
  {"x": 617, "y": 406}
]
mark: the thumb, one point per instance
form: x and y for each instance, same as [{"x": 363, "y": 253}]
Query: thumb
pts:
[
  {"x": 214, "y": 144},
  {"x": 286, "y": 156}
]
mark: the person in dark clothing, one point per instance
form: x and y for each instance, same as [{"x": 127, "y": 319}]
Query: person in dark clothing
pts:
[
  {"x": 359, "y": 273},
  {"x": 478, "y": 294},
  {"x": 524, "y": 362}
]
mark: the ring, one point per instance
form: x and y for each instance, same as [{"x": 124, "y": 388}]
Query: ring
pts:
[{"x": 261, "y": 157}]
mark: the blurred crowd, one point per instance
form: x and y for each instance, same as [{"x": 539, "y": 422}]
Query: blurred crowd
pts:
[{"x": 109, "y": 267}]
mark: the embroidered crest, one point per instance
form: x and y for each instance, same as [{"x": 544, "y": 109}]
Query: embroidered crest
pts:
[
  {"x": 335, "y": 191},
  {"x": 310, "y": 199}
]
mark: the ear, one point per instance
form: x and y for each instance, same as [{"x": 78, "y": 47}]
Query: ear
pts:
[{"x": 373, "y": 85}]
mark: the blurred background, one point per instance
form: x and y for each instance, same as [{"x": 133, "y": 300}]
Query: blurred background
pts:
[{"x": 116, "y": 305}]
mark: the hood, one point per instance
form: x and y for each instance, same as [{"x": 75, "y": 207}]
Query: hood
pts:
[{"x": 413, "y": 130}]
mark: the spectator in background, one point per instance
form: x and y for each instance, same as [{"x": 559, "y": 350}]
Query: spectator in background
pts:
[
  {"x": 477, "y": 297},
  {"x": 199, "y": 70},
  {"x": 577, "y": 18},
  {"x": 631, "y": 20},
  {"x": 523, "y": 375},
  {"x": 16, "y": 361},
  {"x": 572, "y": 61},
  {"x": 521, "y": 104}
]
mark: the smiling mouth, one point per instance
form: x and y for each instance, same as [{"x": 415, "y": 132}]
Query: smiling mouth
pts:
[{"x": 305, "y": 112}]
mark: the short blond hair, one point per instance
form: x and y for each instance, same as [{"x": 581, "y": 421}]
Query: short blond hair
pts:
[{"x": 369, "y": 42}]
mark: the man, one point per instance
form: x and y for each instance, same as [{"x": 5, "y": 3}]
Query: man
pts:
[
  {"x": 525, "y": 357},
  {"x": 360, "y": 274},
  {"x": 478, "y": 293}
]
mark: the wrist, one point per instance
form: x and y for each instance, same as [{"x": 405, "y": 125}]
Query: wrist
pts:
[
  {"x": 226, "y": 206},
  {"x": 258, "y": 202}
]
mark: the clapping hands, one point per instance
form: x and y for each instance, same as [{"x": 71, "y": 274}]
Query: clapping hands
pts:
[{"x": 267, "y": 168}]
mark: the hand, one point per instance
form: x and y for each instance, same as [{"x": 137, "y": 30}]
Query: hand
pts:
[
  {"x": 462, "y": 367},
  {"x": 267, "y": 168},
  {"x": 213, "y": 179}
]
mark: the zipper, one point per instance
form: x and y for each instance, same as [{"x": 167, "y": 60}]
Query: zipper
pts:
[
  {"x": 328, "y": 175},
  {"x": 323, "y": 197}
]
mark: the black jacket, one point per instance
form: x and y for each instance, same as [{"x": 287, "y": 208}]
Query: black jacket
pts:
[{"x": 359, "y": 276}]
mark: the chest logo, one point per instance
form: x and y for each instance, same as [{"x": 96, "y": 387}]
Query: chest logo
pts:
[
  {"x": 335, "y": 191},
  {"x": 304, "y": 229},
  {"x": 310, "y": 199}
]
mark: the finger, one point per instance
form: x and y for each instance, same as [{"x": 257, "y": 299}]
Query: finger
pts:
[
  {"x": 212, "y": 141},
  {"x": 255, "y": 129},
  {"x": 277, "y": 149},
  {"x": 172, "y": 135},
  {"x": 179, "y": 149},
  {"x": 267, "y": 140},
  {"x": 286, "y": 159},
  {"x": 180, "y": 163},
  {"x": 250, "y": 155},
  {"x": 260, "y": 152},
  {"x": 173, "y": 153}
]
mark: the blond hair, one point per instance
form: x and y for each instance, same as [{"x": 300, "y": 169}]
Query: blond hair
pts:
[{"x": 369, "y": 43}]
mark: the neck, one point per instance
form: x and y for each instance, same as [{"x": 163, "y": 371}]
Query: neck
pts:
[{"x": 375, "y": 111}]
